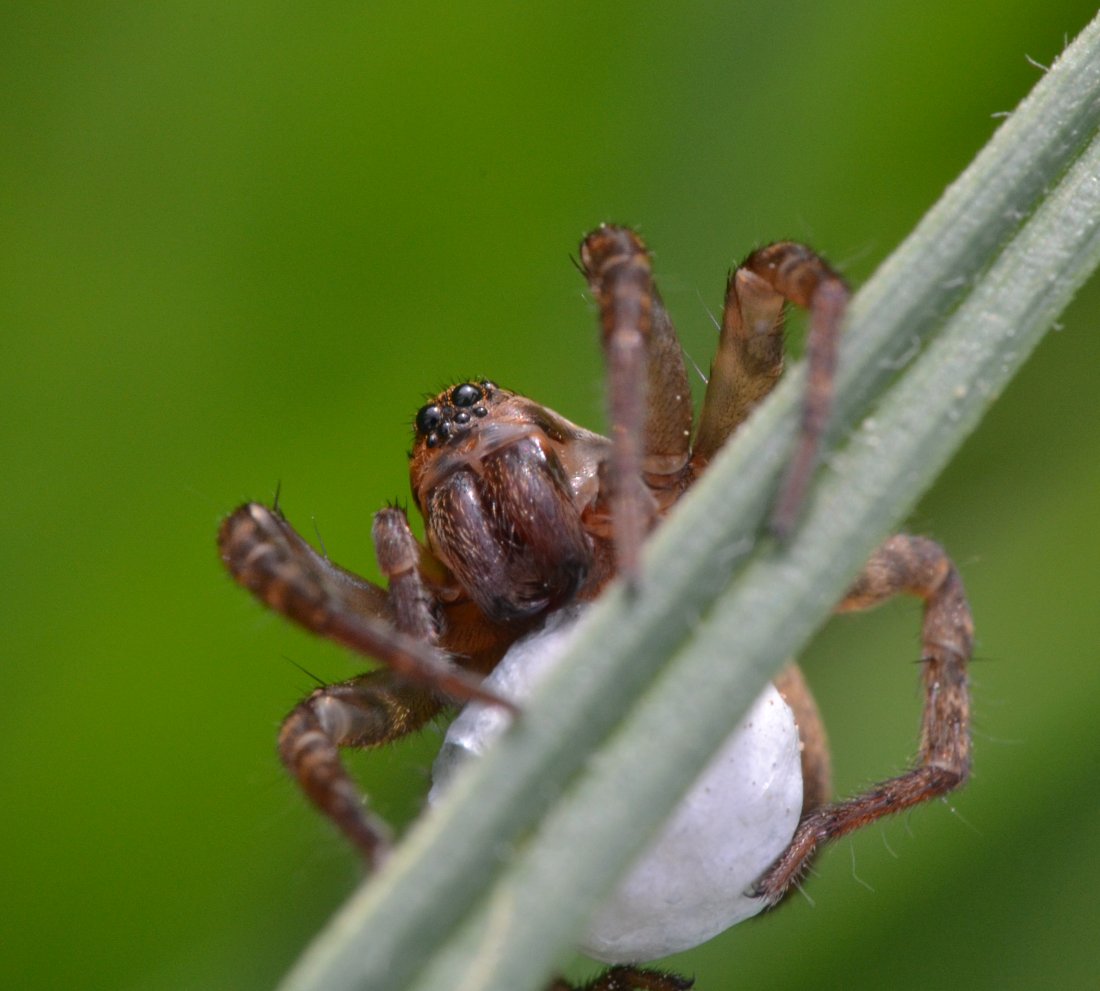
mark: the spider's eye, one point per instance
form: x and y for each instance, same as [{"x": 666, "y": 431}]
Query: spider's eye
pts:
[
  {"x": 466, "y": 394},
  {"x": 428, "y": 419}
]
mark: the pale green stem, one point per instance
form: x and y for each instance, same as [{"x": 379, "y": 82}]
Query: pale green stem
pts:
[{"x": 491, "y": 888}]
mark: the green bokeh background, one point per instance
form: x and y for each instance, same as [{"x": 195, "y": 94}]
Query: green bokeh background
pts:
[{"x": 240, "y": 241}]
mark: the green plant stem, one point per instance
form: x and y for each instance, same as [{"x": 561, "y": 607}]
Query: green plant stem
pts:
[{"x": 490, "y": 888}]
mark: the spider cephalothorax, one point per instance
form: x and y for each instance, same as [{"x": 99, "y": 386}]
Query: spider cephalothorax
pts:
[
  {"x": 505, "y": 487},
  {"x": 526, "y": 512}
]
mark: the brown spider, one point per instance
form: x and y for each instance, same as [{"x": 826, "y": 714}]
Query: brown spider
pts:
[{"x": 525, "y": 512}]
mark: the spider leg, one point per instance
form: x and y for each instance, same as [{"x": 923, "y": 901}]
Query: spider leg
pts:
[
  {"x": 919, "y": 567},
  {"x": 367, "y": 711},
  {"x": 264, "y": 554},
  {"x": 750, "y": 358},
  {"x": 628, "y": 978},
  {"x": 816, "y": 764},
  {"x": 649, "y": 396}
]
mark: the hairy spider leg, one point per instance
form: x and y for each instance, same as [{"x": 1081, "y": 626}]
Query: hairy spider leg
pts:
[
  {"x": 749, "y": 359},
  {"x": 264, "y": 553},
  {"x": 919, "y": 567}
]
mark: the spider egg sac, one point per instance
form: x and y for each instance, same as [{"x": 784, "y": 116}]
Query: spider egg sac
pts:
[{"x": 691, "y": 883}]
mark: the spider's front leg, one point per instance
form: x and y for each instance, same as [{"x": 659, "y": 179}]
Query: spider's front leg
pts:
[
  {"x": 648, "y": 394},
  {"x": 912, "y": 566},
  {"x": 749, "y": 359},
  {"x": 264, "y": 554}
]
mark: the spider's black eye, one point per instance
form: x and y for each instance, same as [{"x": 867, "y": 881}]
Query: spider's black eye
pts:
[
  {"x": 428, "y": 419},
  {"x": 466, "y": 394}
]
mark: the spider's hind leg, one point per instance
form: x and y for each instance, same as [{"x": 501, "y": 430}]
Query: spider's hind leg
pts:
[{"x": 919, "y": 567}]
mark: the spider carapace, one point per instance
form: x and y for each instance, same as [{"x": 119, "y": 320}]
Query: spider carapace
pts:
[{"x": 525, "y": 512}]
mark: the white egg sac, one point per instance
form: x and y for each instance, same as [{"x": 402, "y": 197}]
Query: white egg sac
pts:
[{"x": 692, "y": 881}]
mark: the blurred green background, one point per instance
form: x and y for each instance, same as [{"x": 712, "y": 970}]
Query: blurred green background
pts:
[{"x": 240, "y": 242}]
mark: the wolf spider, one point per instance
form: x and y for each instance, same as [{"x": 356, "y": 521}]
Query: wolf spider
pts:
[{"x": 525, "y": 512}]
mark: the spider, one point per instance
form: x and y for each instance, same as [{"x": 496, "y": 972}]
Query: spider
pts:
[{"x": 526, "y": 512}]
